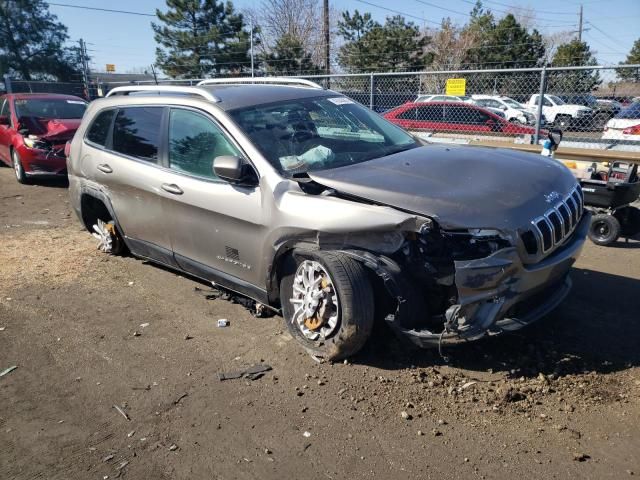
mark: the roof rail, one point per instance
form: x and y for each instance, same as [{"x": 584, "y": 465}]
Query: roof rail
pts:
[
  {"x": 163, "y": 89},
  {"x": 272, "y": 80}
]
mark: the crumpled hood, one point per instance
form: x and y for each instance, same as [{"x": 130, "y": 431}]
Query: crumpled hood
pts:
[
  {"x": 459, "y": 186},
  {"x": 53, "y": 130}
]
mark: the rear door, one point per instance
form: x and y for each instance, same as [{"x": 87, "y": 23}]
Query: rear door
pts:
[
  {"x": 216, "y": 227},
  {"x": 129, "y": 167}
]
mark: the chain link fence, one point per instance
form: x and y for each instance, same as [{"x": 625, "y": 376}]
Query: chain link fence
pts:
[{"x": 595, "y": 107}]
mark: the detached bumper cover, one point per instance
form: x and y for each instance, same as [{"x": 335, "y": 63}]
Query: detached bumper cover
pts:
[{"x": 499, "y": 293}]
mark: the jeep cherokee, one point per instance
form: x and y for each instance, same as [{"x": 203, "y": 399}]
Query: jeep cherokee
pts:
[{"x": 313, "y": 205}]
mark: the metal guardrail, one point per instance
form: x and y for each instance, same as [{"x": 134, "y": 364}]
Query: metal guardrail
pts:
[{"x": 568, "y": 153}]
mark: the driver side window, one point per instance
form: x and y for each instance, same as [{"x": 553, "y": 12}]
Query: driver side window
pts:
[{"x": 194, "y": 141}]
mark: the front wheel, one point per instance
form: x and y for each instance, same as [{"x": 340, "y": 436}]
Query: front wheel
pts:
[
  {"x": 604, "y": 229},
  {"x": 327, "y": 303},
  {"x": 21, "y": 176}
]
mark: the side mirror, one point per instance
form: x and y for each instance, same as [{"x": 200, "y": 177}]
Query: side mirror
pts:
[
  {"x": 232, "y": 169},
  {"x": 5, "y": 120}
]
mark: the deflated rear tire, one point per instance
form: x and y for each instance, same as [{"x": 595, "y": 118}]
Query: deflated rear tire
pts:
[
  {"x": 109, "y": 239},
  {"x": 327, "y": 303}
]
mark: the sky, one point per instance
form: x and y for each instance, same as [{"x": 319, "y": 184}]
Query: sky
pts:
[{"x": 611, "y": 26}]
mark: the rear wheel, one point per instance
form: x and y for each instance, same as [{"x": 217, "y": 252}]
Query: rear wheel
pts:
[
  {"x": 327, "y": 303},
  {"x": 109, "y": 240},
  {"x": 21, "y": 176},
  {"x": 604, "y": 229}
]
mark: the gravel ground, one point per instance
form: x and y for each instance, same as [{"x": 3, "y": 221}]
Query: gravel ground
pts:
[{"x": 89, "y": 333}]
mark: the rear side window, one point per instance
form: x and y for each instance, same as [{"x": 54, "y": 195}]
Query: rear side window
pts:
[
  {"x": 100, "y": 128},
  {"x": 136, "y": 132},
  {"x": 194, "y": 141}
]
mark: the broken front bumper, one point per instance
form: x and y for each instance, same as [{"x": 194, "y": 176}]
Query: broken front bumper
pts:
[{"x": 500, "y": 293}]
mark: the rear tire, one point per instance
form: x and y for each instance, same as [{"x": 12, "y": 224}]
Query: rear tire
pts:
[
  {"x": 343, "y": 319},
  {"x": 21, "y": 176},
  {"x": 604, "y": 229}
]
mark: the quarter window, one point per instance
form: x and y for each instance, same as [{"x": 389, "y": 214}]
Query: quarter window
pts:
[
  {"x": 136, "y": 132},
  {"x": 194, "y": 141},
  {"x": 100, "y": 128},
  {"x": 4, "y": 110}
]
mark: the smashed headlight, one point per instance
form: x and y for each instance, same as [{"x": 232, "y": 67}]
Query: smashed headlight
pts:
[
  {"x": 476, "y": 243},
  {"x": 37, "y": 143}
]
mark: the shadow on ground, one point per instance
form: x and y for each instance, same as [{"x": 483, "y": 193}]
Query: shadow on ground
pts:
[{"x": 595, "y": 329}]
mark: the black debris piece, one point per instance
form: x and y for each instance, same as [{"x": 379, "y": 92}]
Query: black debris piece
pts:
[
  {"x": 252, "y": 373},
  {"x": 256, "y": 309}
]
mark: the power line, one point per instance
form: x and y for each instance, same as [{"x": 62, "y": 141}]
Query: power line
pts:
[
  {"x": 109, "y": 10},
  {"x": 537, "y": 10},
  {"x": 533, "y": 15}
]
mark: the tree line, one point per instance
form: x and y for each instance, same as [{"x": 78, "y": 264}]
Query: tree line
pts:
[{"x": 204, "y": 38}]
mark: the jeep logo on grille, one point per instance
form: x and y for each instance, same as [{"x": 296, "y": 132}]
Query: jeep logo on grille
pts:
[{"x": 552, "y": 197}]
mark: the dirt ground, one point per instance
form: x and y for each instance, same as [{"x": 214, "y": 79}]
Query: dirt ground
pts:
[{"x": 89, "y": 332}]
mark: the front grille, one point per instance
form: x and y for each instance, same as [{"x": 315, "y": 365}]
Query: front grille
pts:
[{"x": 557, "y": 223}]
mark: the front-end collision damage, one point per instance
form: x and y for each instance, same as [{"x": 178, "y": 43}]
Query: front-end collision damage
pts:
[{"x": 450, "y": 287}]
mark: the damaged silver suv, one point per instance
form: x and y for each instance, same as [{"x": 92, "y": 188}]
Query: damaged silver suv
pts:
[{"x": 309, "y": 203}]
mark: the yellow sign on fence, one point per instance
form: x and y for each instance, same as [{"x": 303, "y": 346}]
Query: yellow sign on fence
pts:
[
  {"x": 456, "y": 86},
  {"x": 111, "y": 67}
]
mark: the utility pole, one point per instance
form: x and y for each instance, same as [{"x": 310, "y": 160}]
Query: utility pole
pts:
[
  {"x": 251, "y": 45},
  {"x": 580, "y": 25},
  {"x": 326, "y": 38},
  {"x": 85, "y": 67},
  {"x": 155, "y": 77}
]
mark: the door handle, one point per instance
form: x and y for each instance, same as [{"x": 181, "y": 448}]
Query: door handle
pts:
[
  {"x": 103, "y": 167},
  {"x": 172, "y": 188}
]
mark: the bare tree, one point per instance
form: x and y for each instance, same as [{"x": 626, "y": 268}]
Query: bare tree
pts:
[{"x": 297, "y": 19}]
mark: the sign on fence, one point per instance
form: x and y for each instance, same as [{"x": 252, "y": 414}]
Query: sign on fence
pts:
[{"x": 456, "y": 86}]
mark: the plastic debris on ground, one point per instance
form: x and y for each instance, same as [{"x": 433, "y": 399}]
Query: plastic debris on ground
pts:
[
  {"x": 252, "y": 373},
  {"x": 257, "y": 309},
  {"x": 7, "y": 371}
]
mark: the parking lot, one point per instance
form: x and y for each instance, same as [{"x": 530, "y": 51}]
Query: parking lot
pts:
[{"x": 90, "y": 332}]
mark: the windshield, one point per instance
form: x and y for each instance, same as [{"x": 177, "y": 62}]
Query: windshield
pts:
[
  {"x": 556, "y": 100},
  {"x": 50, "y": 108},
  {"x": 309, "y": 134},
  {"x": 512, "y": 103}
]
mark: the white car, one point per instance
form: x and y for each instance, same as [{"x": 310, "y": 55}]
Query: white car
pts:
[
  {"x": 437, "y": 98},
  {"x": 562, "y": 114},
  {"x": 512, "y": 110},
  {"x": 625, "y": 125}
]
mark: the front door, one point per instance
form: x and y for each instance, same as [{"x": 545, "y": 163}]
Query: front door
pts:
[
  {"x": 5, "y": 132},
  {"x": 215, "y": 226}
]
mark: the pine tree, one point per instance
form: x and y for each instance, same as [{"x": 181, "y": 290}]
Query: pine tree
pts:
[
  {"x": 395, "y": 46},
  {"x": 32, "y": 42},
  {"x": 198, "y": 38},
  {"x": 573, "y": 54},
  {"x": 288, "y": 57},
  {"x": 631, "y": 74}
]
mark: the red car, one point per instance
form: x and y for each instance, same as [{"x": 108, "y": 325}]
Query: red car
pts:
[
  {"x": 34, "y": 128},
  {"x": 454, "y": 117}
]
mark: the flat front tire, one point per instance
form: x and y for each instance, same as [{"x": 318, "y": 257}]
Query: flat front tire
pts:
[
  {"x": 327, "y": 303},
  {"x": 21, "y": 176}
]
